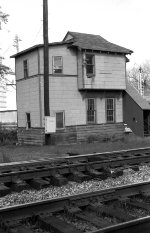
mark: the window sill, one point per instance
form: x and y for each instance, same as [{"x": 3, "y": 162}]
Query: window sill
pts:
[
  {"x": 90, "y": 75},
  {"x": 60, "y": 129},
  {"x": 57, "y": 73},
  {"x": 110, "y": 122}
]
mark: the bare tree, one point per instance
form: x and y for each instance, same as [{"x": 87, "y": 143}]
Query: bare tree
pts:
[
  {"x": 4, "y": 70},
  {"x": 134, "y": 73},
  {"x": 3, "y": 18}
]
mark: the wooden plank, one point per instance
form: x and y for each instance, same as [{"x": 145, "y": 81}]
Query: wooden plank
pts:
[{"x": 59, "y": 226}]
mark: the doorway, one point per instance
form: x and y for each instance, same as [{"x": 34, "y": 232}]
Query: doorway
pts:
[{"x": 146, "y": 122}]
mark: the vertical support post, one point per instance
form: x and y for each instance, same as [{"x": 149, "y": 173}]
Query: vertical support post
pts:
[{"x": 46, "y": 62}]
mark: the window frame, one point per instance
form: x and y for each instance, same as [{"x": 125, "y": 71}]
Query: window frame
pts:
[
  {"x": 53, "y": 61},
  {"x": 112, "y": 109},
  {"x": 92, "y": 64},
  {"x": 87, "y": 111},
  {"x": 63, "y": 112},
  {"x": 28, "y": 121},
  {"x": 25, "y": 68}
]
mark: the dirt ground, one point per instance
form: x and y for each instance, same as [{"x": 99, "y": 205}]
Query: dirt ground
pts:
[{"x": 12, "y": 153}]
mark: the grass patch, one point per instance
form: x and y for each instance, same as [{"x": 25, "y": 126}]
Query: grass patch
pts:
[
  {"x": 11, "y": 153},
  {"x": 8, "y": 137}
]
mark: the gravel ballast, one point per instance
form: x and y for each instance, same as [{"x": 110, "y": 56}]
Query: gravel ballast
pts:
[{"x": 27, "y": 196}]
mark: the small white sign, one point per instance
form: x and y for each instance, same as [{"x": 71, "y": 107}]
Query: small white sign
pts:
[
  {"x": 50, "y": 124},
  {"x": 127, "y": 130}
]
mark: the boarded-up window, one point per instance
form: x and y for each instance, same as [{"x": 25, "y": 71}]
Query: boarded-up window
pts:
[
  {"x": 90, "y": 64},
  {"x": 28, "y": 121},
  {"x": 57, "y": 65},
  {"x": 25, "y": 67},
  {"x": 59, "y": 120},
  {"x": 91, "y": 111},
  {"x": 110, "y": 110}
]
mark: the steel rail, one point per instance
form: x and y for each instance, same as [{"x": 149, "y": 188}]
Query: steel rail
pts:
[
  {"x": 36, "y": 169},
  {"x": 52, "y": 205},
  {"x": 48, "y": 170},
  {"x": 45, "y": 161}
]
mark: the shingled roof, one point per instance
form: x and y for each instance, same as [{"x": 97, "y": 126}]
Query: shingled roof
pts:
[
  {"x": 94, "y": 42},
  {"x": 134, "y": 94},
  {"x": 83, "y": 41}
]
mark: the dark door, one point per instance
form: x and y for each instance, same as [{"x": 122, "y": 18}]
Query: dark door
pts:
[{"x": 146, "y": 122}]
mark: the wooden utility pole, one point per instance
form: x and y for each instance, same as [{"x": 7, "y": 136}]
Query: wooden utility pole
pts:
[
  {"x": 46, "y": 59},
  {"x": 46, "y": 64}
]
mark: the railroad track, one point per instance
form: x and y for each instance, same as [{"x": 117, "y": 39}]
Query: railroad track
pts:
[
  {"x": 123, "y": 209},
  {"x": 39, "y": 174}
]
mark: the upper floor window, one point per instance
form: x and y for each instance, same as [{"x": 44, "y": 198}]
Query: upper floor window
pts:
[
  {"x": 110, "y": 110},
  {"x": 28, "y": 121},
  {"x": 91, "y": 111},
  {"x": 60, "y": 120},
  {"x": 25, "y": 67},
  {"x": 57, "y": 65},
  {"x": 90, "y": 64}
]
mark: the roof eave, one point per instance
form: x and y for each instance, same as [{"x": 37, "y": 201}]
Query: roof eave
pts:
[
  {"x": 101, "y": 51},
  {"x": 39, "y": 46}
]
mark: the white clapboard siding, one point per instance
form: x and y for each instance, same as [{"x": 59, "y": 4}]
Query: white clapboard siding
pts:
[
  {"x": 32, "y": 59},
  {"x": 80, "y": 70},
  {"x": 64, "y": 96},
  {"x": 28, "y": 101},
  {"x": 64, "y": 90},
  {"x": 119, "y": 109},
  {"x": 69, "y": 59},
  {"x": 109, "y": 73}
]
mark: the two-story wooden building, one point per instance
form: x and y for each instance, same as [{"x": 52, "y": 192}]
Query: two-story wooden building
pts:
[{"x": 87, "y": 77}]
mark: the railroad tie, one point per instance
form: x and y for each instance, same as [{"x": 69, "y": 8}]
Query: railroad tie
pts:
[
  {"x": 38, "y": 183},
  {"x": 19, "y": 229},
  {"x": 58, "y": 180},
  {"x": 93, "y": 218},
  {"x": 19, "y": 185},
  {"x": 77, "y": 176},
  {"x": 71, "y": 211},
  {"x": 4, "y": 190},
  {"x": 116, "y": 173},
  {"x": 93, "y": 172},
  {"x": 57, "y": 225},
  {"x": 135, "y": 167},
  {"x": 112, "y": 212},
  {"x": 145, "y": 206}
]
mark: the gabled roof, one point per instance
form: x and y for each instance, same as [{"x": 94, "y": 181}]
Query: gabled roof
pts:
[
  {"x": 94, "y": 42},
  {"x": 35, "y": 47},
  {"x": 134, "y": 94},
  {"x": 83, "y": 41}
]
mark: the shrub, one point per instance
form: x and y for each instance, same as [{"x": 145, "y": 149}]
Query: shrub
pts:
[
  {"x": 8, "y": 136},
  {"x": 92, "y": 138}
]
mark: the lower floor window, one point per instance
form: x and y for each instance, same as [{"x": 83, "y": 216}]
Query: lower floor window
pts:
[
  {"x": 91, "y": 111},
  {"x": 60, "y": 120},
  {"x": 28, "y": 121},
  {"x": 110, "y": 110}
]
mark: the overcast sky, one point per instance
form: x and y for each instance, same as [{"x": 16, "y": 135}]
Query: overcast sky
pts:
[{"x": 123, "y": 22}]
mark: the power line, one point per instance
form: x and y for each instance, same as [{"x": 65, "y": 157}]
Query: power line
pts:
[
  {"x": 37, "y": 34},
  {"x": 7, "y": 49}
]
